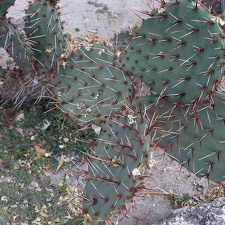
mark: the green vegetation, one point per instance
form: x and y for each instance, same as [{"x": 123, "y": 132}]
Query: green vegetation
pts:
[{"x": 38, "y": 150}]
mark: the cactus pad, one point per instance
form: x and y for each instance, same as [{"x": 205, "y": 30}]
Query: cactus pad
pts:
[
  {"x": 178, "y": 51},
  {"x": 90, "y": 85},
  {"x": 44, "y": 31},
  {"x": 117, "y": 165},
  {"x": 196, "y": 138}
]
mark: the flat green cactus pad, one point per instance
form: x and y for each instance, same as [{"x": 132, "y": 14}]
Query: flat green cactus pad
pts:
[
  {"x": 16, "y": 45},
  {"x": 178, "y": 51},
  {"x": 117, "y": 165},
  {"x": 91, "y": 85},
  {"x": 195, "y": 138},
  {"x": 44, "y": 30}
]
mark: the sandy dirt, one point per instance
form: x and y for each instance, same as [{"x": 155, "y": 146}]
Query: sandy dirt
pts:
[{"x": 105, "y": 17}]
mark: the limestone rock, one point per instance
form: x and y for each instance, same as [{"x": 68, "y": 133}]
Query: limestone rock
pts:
[{"x": 206, "y": 214}]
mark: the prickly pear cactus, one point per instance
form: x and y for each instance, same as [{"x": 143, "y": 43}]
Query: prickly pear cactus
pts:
[
  {"x": 91, "y": 85},
  {"x": 117, "y": 166},
  {"x": 195, "y": 138},
  {"x": 44, "y": 29},
  {"x": 35, "y": 53},
  {"x": 18, "y": 78},
  {"x": 178, "y": 51},
  {"x": 16, "y": 45}
]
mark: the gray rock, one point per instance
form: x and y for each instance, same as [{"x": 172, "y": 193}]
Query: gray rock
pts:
[{"x": 206, "y": 214}]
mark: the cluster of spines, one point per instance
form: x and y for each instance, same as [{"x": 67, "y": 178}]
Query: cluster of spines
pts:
[
  {"x": 214, "y": 6},
  {"x": 122, "y": 39},
  {"x": 16, "y": 45},
  {"x": 18, "y": 75},
  {"x": 45, "y": 33}
]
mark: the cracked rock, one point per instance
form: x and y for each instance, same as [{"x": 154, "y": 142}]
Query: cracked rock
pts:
[{"x": 206, "y": 214}]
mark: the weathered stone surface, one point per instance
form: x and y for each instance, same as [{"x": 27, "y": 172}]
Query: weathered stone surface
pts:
[{"x": 207, "y": 214}]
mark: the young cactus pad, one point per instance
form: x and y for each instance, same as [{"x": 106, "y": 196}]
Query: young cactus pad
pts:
[
  {"x": 90, "y": 84},
  {"x": 116, "y": 167},
  {"x": 178, "y": 51}
]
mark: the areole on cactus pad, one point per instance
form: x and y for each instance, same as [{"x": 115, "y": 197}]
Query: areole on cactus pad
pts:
[{"x": 44, "y": 30}]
